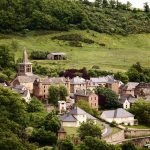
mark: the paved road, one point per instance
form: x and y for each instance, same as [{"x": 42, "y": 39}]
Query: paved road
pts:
[{"x": 107, "y": 130}]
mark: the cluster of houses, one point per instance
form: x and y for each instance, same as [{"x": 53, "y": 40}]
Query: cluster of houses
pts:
[{"x": 27, "y": 83}]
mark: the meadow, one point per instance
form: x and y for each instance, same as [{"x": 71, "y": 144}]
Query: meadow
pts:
[{"x": 118, "y": 54}]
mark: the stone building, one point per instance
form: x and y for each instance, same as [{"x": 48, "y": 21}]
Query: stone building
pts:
[
  {"x": 75, "y": 117},
  {"x": 41, "y": 85},
  {"x": 142, "y": 90},
  {"x": 120, "y": 116},
  {"x": 56, "y": 56},
  {"x": 25, "y": 76},
  {"x": 129, "y": 88},
  {"x": 76, "y": 84},
  {"x": 90, "y": 97},
  {"x": 108, "y": 82}
]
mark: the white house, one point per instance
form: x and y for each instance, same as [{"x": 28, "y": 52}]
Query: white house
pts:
[
  {"x": 120, "y": 116},
  {"x": 75, "y": 117},
  {"x": 62, "y": 106}
]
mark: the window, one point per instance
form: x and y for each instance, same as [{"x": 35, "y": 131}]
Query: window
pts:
[
  {"x": 95, "y": 98},
  {"x": 95, "y": 104}
]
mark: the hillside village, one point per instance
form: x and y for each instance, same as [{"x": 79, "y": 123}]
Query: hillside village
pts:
[
  {"x": 83, "y": 80},
  {"x": 28, "y": 84}
]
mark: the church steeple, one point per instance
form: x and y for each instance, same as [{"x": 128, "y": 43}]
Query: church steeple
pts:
[
  {"x": 25, "y": 67},
  {"x": 25, "y": 56}
]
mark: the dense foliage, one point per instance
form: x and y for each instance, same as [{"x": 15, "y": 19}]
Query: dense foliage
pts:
[
  {"x": 86, "y": 107},
  {"x": 75, "y": 72},
  {"x": 89, "y": 128},
  {"x": 141, "y": 110},
  {"x": 57, "y": 93},
  {"x": 108, "y": 99},
  {"x": 102, "y": 16},
  {"x": 38, "y": 55}
]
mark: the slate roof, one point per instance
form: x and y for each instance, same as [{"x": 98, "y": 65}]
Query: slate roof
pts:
[
  {"x": 130, "y": 85},
  {"x": 77, "y": 80},
  {"x": 117, "y": 113},
  {"x": 106, "y": 79},
  {"x": 68, "y": 118},
  {"x": 54, "y": 80},
  {"x": 26, "y": 79}
]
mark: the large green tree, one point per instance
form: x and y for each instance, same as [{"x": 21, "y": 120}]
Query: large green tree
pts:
[
  {"x": 141, "y": 110},
  {"x": 107, "y": 98},
  {"x": 7, "y": 59},
  {"x": 57, "y": 93},
  {"x": 13, "y": 120},
  {"x": 89, "y": 128}
]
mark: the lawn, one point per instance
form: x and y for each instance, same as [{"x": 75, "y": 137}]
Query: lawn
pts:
[
  {"x": 119, "y": 53},
  {"x": 139, "y": 127}
]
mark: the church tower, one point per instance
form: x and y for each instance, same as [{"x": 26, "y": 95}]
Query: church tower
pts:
[{"x": 25, "y": 67}]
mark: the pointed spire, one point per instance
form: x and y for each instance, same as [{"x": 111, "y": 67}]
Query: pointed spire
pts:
[{"x": 25, "y": 56}]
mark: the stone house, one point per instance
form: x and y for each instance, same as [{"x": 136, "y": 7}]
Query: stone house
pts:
[
  {"x": 56, "y": 56},
  {"x": 23, "y": 91},
  {"x": 129, "y": 88},
  {"x": 75, "y": 117},
  {"x": 41, "y": 85},
  {"x": 76, "y": 84},
  {"x": 142, "y": 90},
  {"x": 108, "y": 82},
  {"x": 90, "y": 97},
  {"x": 120, "y": 116},
  {"x": 127, "y": 101}
]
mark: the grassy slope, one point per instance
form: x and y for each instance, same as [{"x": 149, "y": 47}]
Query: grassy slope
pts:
[{"x": 120, "y": 51}]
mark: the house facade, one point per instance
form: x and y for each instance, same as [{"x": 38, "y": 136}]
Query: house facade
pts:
[
  {"x": 120, "y": 116},
  {"x": 75, "y": 117},
  {"x": 89, "y": 97},
  {"x": 41, "y": 85}
]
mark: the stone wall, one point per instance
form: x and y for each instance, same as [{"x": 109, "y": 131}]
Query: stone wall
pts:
[
  {"x": 119, "y": 136},
  {"x": 136, "y": 133}
]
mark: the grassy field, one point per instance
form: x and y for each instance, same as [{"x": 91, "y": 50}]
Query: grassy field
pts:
[
  {"x": 139, "y": 127},
  {"x": 119, "y": 53}
]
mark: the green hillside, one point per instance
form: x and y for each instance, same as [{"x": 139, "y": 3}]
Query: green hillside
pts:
[{"x": 119, "y": 52}]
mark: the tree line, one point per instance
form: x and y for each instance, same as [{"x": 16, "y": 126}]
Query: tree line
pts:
[{"x": 104, "y": 16}]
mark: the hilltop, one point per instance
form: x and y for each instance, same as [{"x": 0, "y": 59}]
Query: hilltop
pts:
[{"x": 110, "y": 52}]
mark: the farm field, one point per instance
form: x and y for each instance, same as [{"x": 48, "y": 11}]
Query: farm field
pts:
[{"x": 118, "y": 54}]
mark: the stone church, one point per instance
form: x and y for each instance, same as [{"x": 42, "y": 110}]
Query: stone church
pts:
[{"x": 25, "y": 75}]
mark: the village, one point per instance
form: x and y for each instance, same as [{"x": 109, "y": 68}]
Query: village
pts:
[{"x": 28, "y": 84}]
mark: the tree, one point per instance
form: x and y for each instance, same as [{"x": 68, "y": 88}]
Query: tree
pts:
[
  {"x": 57, "y": 93},
  {"x": 112, "y": 3},
  {"x": 52, "y": 122},
  {"x": 122, "y": 77},
  {"x": 43, "y": 137},
  {"x": 128, "y": 146},
  {"x": 105, "y": 3},
  {"x": 35, "y": 105},
  {"x": 128, "y": 5},
  {"x": 141, "y": 110},
  {"x": 86, "y": 107},
  {"x": 6, "y": 57},
  {"x": 13, "y": 120},
  {"x": 146, "y": 7},
  {"x": 53, "y": 96},
  {"x": 65, "y": 145},
  {"x": 63, "y": 92},
  {"x": 108, "y": 99},
  {"x": 89, "y": 129},
  {"x": 90, "y": 143},
  {"x": 98, "y": 3}
]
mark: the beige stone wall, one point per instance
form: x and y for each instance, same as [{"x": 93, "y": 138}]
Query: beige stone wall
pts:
[
  {"x": 69, "y": 124},
  {"x": 115, "y": 137},
  {"x": 137, "y": 133}
]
